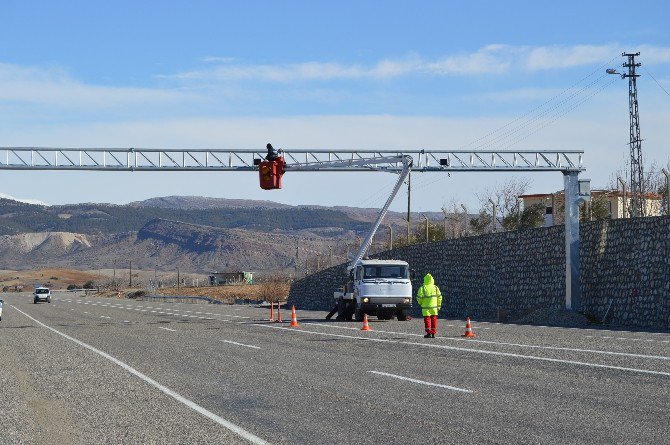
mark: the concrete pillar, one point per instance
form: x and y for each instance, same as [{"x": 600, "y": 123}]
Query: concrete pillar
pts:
[{"x": 571, "y": 216}]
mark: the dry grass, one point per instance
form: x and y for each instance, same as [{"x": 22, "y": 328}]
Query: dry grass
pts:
[{"x": 53, "y": 278}]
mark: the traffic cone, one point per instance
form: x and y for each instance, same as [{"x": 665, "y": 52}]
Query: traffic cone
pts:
[
  {"x": 366, "y": 326},
  {"x": 468, "y": 329},
  {"x": 294, "y": 319},
  {"x": 279, "y": 320},
  {"x": 272, "y": 311}
]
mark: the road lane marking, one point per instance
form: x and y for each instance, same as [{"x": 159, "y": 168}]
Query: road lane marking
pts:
[
  {"x": 476, "y": 351},
  {"x": 240, "y": 344},
  {"x": 164, "y": 389},
  {"x": 519, "y": 345},
  {"x": 453, "y": 388},
  {"x": 167, "y": 329}
]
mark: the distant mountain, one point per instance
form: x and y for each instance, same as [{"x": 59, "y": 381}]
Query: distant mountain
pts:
[
  {"x": 195, "y": 233},
  {"x": 201, "y": 203},
  {"x": 109, "y": 219},
  {"x": 161, "y": 244}
]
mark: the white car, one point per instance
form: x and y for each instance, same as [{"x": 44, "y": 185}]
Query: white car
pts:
[
  {"x": 1, "y": 304},
  {"x": 42, "y": 294}
]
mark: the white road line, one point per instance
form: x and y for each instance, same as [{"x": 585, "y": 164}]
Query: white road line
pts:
[
  {"x": 164, "y": 389},
  {"x": 167, "y": 329},
  {"x": 476, "y": 351},
  {"x": 453, "y": 388},
  {"x": 126, "y": 321},
  {"x": 240, "y": 344},
  {"x": 519, "y": 345}
]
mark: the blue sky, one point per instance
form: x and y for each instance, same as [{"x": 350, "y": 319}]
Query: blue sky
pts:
[{"x": 345, "y": 74}]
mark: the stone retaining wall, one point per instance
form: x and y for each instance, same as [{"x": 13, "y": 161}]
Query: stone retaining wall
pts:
[{"x": 507, "y": 275}]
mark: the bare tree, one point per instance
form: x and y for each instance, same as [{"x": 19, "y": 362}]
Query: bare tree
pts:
[
  {"x": 508, "y": 210},
  {"x": 275, "y": 288}
]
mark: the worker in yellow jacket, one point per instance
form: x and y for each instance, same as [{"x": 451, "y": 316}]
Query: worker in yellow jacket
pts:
[{"x": 430, "y": 300}]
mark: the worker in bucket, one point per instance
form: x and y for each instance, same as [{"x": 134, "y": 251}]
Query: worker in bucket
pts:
[
  {"x": 273, "y": 153},
  {"x": 430, "y": 300}
]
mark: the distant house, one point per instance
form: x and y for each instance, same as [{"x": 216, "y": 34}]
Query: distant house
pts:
[
  {"x": 219, "y": 278},
  {"x": 554, "y": 204}
]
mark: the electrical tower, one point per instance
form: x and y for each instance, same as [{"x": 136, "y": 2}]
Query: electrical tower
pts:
[{"x": 637, "y": 206}]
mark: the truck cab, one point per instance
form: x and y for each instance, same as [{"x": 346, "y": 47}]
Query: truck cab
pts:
[
  {"x": 42, "y": 294},
  {"x": 376, "y": 287}
]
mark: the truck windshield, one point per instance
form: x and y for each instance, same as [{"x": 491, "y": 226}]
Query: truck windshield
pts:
[
  {"x": 41, "y": 291},
  {"x": 385, "y": 272}
]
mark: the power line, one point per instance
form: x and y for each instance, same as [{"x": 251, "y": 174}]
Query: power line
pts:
[
  {"x": 529, "y": 113},
  {"x": 657, "y": 83}
]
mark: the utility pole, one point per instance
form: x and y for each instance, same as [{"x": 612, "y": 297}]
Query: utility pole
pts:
[
  {"x": 465, "y": 221},
  {"x": 409, "y": 198},
  {"x": 390, "y": 237},
  {"x": 624, "y": 204},
  {"x": 426, "y": 218},
  {"x": 667, "y": 190},
  {"x": 114, "y": 275},
  {"x": 178, "y": 278},
  {"x": 130, "y": 274},
  {"x": 330, "y": 257},
  {"x": 493, "y": 222},
  {"x": 297, "y": 240},
  {"x": 444, "y": 228},
  {"x": 636, "y": 166}
]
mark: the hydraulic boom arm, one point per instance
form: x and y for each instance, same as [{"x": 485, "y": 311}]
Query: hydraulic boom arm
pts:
[{"x": 406, "y": 167}]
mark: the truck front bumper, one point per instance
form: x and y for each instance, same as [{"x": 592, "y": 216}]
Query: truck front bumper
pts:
[{"x": 385, "y": 304}]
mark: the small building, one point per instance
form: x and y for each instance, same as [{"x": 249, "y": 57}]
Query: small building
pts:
[
  {"x": 219, "y": 278},
  {"x": 554, "y": 204}
]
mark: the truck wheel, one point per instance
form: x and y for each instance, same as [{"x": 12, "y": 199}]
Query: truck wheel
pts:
[
  {"x": 35, "y": 301},
  {"x": 358, "y": 315},
  {"x": 402, "y": 316},
  {"x": 49, "y": 300}
]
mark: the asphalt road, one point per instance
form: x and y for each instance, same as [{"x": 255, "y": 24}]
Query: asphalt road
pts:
[{"x": 93, "y": 370}]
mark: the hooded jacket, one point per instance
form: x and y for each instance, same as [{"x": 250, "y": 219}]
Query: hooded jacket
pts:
[{"x": 429, "y": 297}]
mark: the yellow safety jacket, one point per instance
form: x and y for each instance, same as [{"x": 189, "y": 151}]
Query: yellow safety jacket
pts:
[{"x": 429, "y": 297}]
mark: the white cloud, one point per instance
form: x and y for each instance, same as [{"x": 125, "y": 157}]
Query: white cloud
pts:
[
  {"x": 490, "y": 59},
  {"x": 51, "y": 86}
]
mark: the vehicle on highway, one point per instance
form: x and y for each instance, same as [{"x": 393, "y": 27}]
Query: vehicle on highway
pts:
[
  {"x": 1, "y": 304},
  {"x": 376, "y": 287},
  {"x": 42, "y": 294}
]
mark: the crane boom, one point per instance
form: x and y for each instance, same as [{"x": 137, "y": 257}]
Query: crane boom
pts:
[{"x": 406, "y": 167}]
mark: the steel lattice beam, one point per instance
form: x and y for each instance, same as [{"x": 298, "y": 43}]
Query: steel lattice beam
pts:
[{"x": 148, "y": 159}]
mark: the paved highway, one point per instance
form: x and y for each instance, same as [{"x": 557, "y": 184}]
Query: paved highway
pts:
[{"x": 94, "y": 370}]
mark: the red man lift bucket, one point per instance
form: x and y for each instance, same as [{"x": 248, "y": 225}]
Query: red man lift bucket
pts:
[{"x": 270, "y": 173}]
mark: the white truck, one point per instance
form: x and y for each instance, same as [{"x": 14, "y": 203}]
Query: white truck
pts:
[
  {"x": 42, "y": 294},
  {"x": 376, "y": 287}
]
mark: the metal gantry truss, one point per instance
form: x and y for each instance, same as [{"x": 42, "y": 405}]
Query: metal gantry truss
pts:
[{"x": 152, "y": 159}]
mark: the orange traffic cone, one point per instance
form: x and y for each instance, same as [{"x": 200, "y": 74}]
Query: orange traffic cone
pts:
[
  {"x": 294, "y": 319},
  {"x": 272, "y": 311},
  {"x": 468, "y": 329},
  {"x": 366, "y": 326},
  {"x": 279, "y": 320}
]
